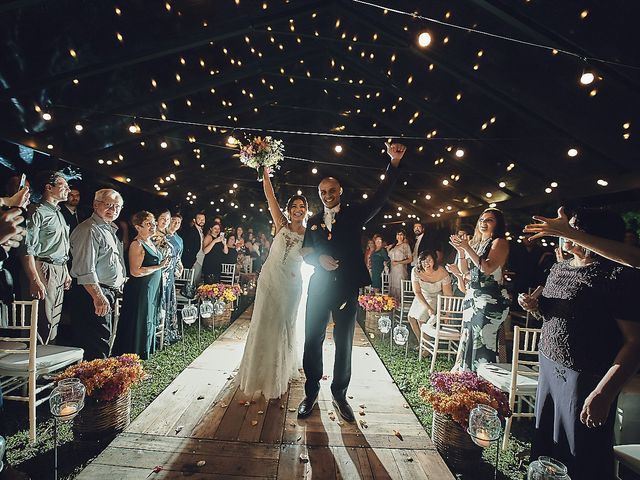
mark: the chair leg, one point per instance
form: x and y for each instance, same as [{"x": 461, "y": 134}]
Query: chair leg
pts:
[
  {"x": 434, "y": 354},
  {"x": 32, "y": 407},
  {"x": 507, "y": 430},
  {"x": 420, "y": 347}
]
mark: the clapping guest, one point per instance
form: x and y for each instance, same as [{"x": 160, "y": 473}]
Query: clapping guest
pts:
[
  {"x": 230, "y": 255},
  {"x": 168, "y": 305},
  {"x": 215, "y": 247},
  {"x": 486, "y": 301},
  {"x": 46, "y": 251},
  {"x": 239, "y": 233},
  {"x": 379, "y": 259},
  {"x": 589, "y": 349},
  {"x": 98, "y": 265},
  {"x": 176, "y": 241},
  {"x": 400, "y": 255},
  {"x": 428, "y": 280},
  {"x": 143, "y": 292}
]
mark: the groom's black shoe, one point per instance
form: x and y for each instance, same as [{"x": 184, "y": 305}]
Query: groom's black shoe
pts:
[
  {"x": 306, "y": 406},
  {"x": 344, "y": 409}
]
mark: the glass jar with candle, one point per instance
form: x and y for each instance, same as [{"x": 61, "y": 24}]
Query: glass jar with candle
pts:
[
  {"x": 484, "y": 425},
  {"x": 547, "y": 468},
  {"x": 67, "y": 399},
  {"x": 206, "y": 309},
  {"x": 384, "y": 324},
  {"x": 189, "y": 314},
  {"x": 400, "y": 334}
]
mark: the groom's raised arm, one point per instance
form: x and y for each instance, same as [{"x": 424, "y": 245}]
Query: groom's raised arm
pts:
[{"x": 372, "y": 206}]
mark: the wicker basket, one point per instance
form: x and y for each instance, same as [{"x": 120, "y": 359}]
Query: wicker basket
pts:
[
  {"x": 220, "y": 320},
  {"x": 454, "y": 444},
  {"x": 101, "y": 418}
]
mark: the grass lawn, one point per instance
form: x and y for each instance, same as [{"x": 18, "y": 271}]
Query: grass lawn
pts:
[
  {"x": 410, "y": 375},
  {"x": 37, "y": 459}
]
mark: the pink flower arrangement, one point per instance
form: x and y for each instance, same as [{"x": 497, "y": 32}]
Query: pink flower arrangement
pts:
[
  {"x": 219, "y": 291},
  {"x": 377, "y": 303},
  {"x": 457, "y": 393}
]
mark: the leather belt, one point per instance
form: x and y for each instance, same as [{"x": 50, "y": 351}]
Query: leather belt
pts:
[
  {"x": 116, "y": 290},
  {"x": 51, "y": 261}
]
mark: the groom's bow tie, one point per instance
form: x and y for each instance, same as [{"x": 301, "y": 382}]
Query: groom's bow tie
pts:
[{"x": 332, "y": 211}]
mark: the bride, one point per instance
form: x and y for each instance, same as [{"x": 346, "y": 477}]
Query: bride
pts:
[{"x": 270, "y": 357}]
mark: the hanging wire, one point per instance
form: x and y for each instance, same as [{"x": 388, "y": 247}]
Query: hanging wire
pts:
[{"x": 497, "y": 36}]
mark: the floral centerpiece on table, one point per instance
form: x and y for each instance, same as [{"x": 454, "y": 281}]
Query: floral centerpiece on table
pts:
[
  {"x": 377, "y": 303},
  {"x": 219, "y": 291},
  {"x": 262, "y": 152},
  {"x": 455, "y": 394},
  {"x": 107, "y": 378}
]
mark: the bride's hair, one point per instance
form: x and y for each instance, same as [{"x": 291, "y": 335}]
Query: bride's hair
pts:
[{"x": 292, "y": 199}]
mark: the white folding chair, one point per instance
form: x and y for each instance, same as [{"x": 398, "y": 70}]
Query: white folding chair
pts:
[
  {"x": 185, "y": 279},
  {"x": 519, "y": 378},
  {"x": 385, "y": 283},
  {"x": 228, "y": 273},
  {"x": 23, "y": 361},
  {"x": 406, "y": 299},
  {"x": 444, "y": 336}
]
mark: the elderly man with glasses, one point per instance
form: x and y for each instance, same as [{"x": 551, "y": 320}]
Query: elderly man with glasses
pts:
[{"x": 99, "y": 268}]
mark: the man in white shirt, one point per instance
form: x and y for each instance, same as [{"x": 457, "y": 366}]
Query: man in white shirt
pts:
[{"x": 424, "y": 243}]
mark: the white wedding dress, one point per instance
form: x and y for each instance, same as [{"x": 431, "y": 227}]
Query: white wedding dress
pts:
[{"x": 270, "y": 358}]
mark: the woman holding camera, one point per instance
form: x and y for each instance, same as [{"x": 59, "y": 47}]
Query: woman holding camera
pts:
[{"x": 486, "y": 301}]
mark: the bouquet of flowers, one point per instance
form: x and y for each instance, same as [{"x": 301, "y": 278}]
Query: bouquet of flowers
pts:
[
  {"x": 262, "y": 152},
  {"x": 107, "y": 378},
  {"x": 377, "y": 303},
  {"x": 457, "y": 393},
  {"x": 219, "y": 291}
]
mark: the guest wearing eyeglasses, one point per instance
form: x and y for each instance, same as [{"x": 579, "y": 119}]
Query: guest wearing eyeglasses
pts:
[{"x": 99, "y": 268}]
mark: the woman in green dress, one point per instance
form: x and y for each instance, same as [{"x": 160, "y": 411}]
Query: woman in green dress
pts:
[
  {"x": 142, "y": 292},
  {"x": 378, "y": 259}
]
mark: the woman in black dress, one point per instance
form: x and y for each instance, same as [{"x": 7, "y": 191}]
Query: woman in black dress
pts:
[
  {"x": 589, "y": 348},
  {"x": 214, "y": 247}
]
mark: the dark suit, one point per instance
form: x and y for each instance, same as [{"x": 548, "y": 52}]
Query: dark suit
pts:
[
  {"x": 192, "y": 245},
  {"x": 336, "y": 292},
  {"x": 73, "y": 219}
]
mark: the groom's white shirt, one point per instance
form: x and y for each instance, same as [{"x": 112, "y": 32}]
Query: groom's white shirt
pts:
[{"x": 329, "y": 215}]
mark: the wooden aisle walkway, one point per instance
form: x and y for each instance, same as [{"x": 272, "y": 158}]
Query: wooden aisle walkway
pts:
[{"x": 203, "y": 427}]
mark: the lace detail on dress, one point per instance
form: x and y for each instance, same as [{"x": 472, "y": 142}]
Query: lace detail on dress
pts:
[{"x": 291, "y": 239}]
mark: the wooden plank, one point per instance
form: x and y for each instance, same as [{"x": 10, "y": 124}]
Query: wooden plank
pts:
[
  {"x": 211, "y": 418},
  {"x": 346, "y": 462},
  {"x": 290, "y": 466},
  {"x": 275, "y": 416},
  {"x": 160, "y": 443},
  {"x": 433, "y": 464},
  {"x": 255, "y": 414},
  {"x": 99, "y": 472},
  {"x": 234, "y": 415},
  {"x": 321, "y": 462},
  {"x": 365, "y": 466},
  {"x": 187, "y": 462},
  {"x": 383, "y": 465}
]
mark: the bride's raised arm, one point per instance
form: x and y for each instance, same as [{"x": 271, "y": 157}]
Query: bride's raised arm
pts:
[{"x": 279, "y": 220}]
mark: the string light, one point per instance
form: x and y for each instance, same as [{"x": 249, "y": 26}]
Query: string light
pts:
[{"x": 424, "y": 39}]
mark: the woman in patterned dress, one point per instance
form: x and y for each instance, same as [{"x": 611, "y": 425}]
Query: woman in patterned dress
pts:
[
  {"x": 168, "y": 305},
  {"x": 486, "y": 301}
]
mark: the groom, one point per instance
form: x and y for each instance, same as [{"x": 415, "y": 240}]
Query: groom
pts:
[{"x": 332, "y": 245}]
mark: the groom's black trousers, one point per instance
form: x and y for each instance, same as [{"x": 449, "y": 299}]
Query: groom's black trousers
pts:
[{"x": 325, "y": 300}]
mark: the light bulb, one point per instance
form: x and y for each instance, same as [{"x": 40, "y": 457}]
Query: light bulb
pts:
[
  {"x": 587, "y": 78},
  {"x": 424, "y": 39}
]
